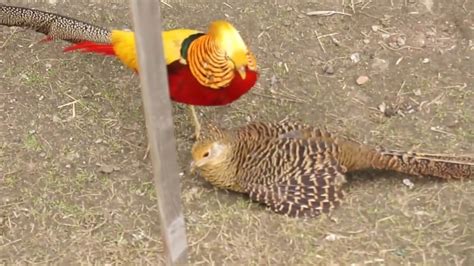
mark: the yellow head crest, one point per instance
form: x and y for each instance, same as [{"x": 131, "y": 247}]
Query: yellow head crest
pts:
[{"x": 230, "y": 41}]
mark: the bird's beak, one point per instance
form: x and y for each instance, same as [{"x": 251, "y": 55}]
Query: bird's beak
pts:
[{"x": 242, "y": 72}]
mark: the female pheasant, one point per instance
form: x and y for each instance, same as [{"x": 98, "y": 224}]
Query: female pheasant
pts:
[
  {"x": 206, "y": 69},
  {"x": 299, "y": 170}
]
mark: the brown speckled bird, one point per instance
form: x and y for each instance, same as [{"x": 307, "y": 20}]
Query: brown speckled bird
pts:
[{"x": 299, "y": 170}]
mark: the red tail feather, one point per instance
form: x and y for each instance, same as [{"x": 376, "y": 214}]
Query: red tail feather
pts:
[{"x": 91, "y": 47}]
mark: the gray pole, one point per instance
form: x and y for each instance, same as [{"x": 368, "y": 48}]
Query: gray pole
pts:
[{"x": 159, "y": 122}]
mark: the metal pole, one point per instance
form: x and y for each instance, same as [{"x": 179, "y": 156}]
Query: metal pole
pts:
[{"x": 159, "y": 122}]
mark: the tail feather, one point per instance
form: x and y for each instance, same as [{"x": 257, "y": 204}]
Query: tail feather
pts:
[
  {"x": 425, "y": 164},
  {"x": 53, "y": 25},
  {"x": 357, "y": 156},
  {"x": 91, "y": 47}
]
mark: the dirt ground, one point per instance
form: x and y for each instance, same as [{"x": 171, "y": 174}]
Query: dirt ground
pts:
[{"x": 74, "y": 186}]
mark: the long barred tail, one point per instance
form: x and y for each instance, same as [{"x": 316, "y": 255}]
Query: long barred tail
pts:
[
  {"x": 424, "y": 164},
  {"x": 356, "y": 156},
  {"x": 55, "y": 26}
]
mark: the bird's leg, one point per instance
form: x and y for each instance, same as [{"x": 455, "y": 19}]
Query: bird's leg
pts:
[{"x": 197, "y": 124}]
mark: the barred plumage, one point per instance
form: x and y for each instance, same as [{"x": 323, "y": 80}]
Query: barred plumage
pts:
[
  {"x": 299, "y": 170},
  {"x": 53, "y": 25}
]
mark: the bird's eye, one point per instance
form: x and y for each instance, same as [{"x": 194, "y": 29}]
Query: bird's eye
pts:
[{"x": 205, "y": 154}]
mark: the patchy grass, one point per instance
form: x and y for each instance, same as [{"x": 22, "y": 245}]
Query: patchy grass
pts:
[
  {"x": 31, "y": 142},
  {"x": 63, "y": 117}
]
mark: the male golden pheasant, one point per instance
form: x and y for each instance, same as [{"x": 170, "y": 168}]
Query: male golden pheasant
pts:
[
  {"x": 206, "y": 69},
  {"x": 299, "y": 170}
]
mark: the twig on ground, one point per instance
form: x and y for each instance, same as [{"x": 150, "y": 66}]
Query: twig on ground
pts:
[
  {"x": 319, "y": 41},
  {"x": 441, "y": 131},
  {"x": 166, "y": 4},
  {"x": 399, "y": 48},
  {"x": 8, "y": 39},
  {"x": 327, "y": 13}
]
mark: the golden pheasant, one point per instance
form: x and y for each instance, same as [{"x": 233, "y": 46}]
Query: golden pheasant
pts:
[
  {"x": 299, "y": 170},
  {"x": 207, "y": 69}
]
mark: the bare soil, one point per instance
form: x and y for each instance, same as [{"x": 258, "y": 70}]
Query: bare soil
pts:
[{"x": 74, "y": 186}]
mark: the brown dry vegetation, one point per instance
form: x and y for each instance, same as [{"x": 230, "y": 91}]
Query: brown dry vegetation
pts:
[{"x": 61, "y": 203}]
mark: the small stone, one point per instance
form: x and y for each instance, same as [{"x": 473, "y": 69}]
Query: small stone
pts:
[
  {"x": 426, "y": 60},
  {"x": 366, "y": 41},
  {"x": 361, "y": 80},
  {"x": 355, "y": 57},
  {"x": 335, "y": 41},
  {"x": 333, "y": 237},
  {"x": 107, "y": 169},
  {"x": 407, "y": 182},
  {"x": 328, "y": 69},
  {"x": 273, "y": 81},
  {"x": 387, "y": 110},
  {"x": 401, "y": 41},
  {"x": 382, "y": 107},
  {"x": 393, "y": 45},
  {"x": 375, "y": 28}
]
